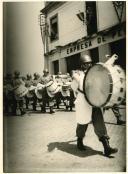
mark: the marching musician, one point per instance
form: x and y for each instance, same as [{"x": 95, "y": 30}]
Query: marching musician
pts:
[
  {"x": 45, "y": 79},
  {"x": 58, "y": 96},
  {"x": 117, "y": 114},
  {"x": 36, "y": 79},
  {"x": 71, "y": 98},
  {"x": 17, "y": 82},
  {"x": 85, "y": 113},
  {"x": 28, "y": 84},
  {"x": 8, "y": 96},
  {"x": 28, "y": 81},
  {"x": 58, "y": 79}
]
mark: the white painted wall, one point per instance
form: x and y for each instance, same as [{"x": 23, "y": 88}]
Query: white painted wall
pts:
[
  {"x": 70, "y": 27},
  {"x": 106, "y": 15},
  {"x": 24, "y": 47}
]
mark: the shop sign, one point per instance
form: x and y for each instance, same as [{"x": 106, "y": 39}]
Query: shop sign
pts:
[{"x": 95, "y": 42}]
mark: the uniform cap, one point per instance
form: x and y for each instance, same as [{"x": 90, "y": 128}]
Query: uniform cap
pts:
[
  {"x": 59, "y": 73},
  {"x": 17, "y": 73},
  {"x": 35, "y": 74},
  {"x": 29, "y": 76},
  {"x": 45, "y": 71}
]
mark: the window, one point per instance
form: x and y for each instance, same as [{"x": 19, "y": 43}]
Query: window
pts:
[
  {"x": 54, "y": 28},
  {"x": 91, "y": 17}
]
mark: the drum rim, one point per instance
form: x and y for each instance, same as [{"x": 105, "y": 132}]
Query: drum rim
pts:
[
  {"x": 53, "y": 91},
  {"x": 111, "y": 85},
  {"x": 49, "y": 83}
]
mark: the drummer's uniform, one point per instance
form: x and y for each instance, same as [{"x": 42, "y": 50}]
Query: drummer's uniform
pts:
[
  {"x": 85, "y": 113},
  {"x": 46, "y": 98},
  {"x": 18, "y": 103},
  {"x": 35, "y": 81},
  {"x": 67, "y": 92},
  {"x": 72, "y": 96},
  {"x": 58, "y": 96},
  {"x": 28, "y": 84}
]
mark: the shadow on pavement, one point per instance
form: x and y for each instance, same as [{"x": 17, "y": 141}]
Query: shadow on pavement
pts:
[
  {"x": 115, "y": 124},
  {"x": 71, "y": 148}
]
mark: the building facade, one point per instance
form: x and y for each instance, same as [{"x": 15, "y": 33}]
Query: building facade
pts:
[{"x": 70, "y": 29}]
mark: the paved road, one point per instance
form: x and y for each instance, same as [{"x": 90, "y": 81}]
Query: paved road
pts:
[{"x": 46, "y": 143}]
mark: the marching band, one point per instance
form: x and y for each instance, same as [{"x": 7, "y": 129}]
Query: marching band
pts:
[{"x": 46, "y": 91}]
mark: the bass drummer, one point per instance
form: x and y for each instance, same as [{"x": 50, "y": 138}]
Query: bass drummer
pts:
[{"x": 85, "y": 113}]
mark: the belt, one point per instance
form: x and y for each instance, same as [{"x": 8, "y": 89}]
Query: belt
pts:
[{"x": 80, "y": 91}]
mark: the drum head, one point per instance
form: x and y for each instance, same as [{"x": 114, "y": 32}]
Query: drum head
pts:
[{"x": 97, "y": 85}]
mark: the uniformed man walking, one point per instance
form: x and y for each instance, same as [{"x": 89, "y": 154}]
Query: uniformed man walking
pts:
[{"x": 85, "y": 113}]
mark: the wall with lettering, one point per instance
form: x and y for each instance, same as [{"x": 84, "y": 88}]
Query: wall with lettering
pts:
[
  {"x": 70, "y": 27},
  {"x": 107, "y": 16},
  {"x": 86, "y": 45}
]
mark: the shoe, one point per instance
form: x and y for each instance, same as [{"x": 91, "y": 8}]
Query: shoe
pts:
[
  {"x": 66, "y": 107},
  {"x": 107, "y": 149},
  {"x": 23, "y": 112},
  {"x": 120, "y": 122},
  {"x": 80, "y": 144},
  {"x": 52, "y": 112},
  {"x": 58, "y": 107},
  {"x": 70, "y": 108},
  {"x": 43, "y": 110}
]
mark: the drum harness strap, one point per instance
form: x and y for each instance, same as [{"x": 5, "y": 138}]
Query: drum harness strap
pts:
[{"x": 80, "y": 91}]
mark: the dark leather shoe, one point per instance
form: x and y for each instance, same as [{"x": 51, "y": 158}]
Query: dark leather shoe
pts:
[
  {"x": 110, "y": 151},
  {"x": 80, "y": 145},
  {"x": 120, "y": 122},
  {"x": 23, "y": 113}
]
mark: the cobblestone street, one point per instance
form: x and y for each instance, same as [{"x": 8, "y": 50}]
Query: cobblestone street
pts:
[{"x": 40, "y": 142}]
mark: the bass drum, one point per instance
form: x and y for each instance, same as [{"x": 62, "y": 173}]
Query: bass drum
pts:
[
  {"x": 104, "y": 85},
  {"x": 39, "y": 90},
  {"x": 52, "y": 88},
  {"x": 31, "y": 92}
]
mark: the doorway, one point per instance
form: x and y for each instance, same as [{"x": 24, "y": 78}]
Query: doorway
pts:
[
  {"x": 73, "y": 62},
  {"x": 56, "y": 67},
  {"x": 119, "y": 48}
]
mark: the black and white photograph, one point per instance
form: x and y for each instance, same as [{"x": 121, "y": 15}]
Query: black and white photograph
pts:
[{"x": 64, "y": 86}]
